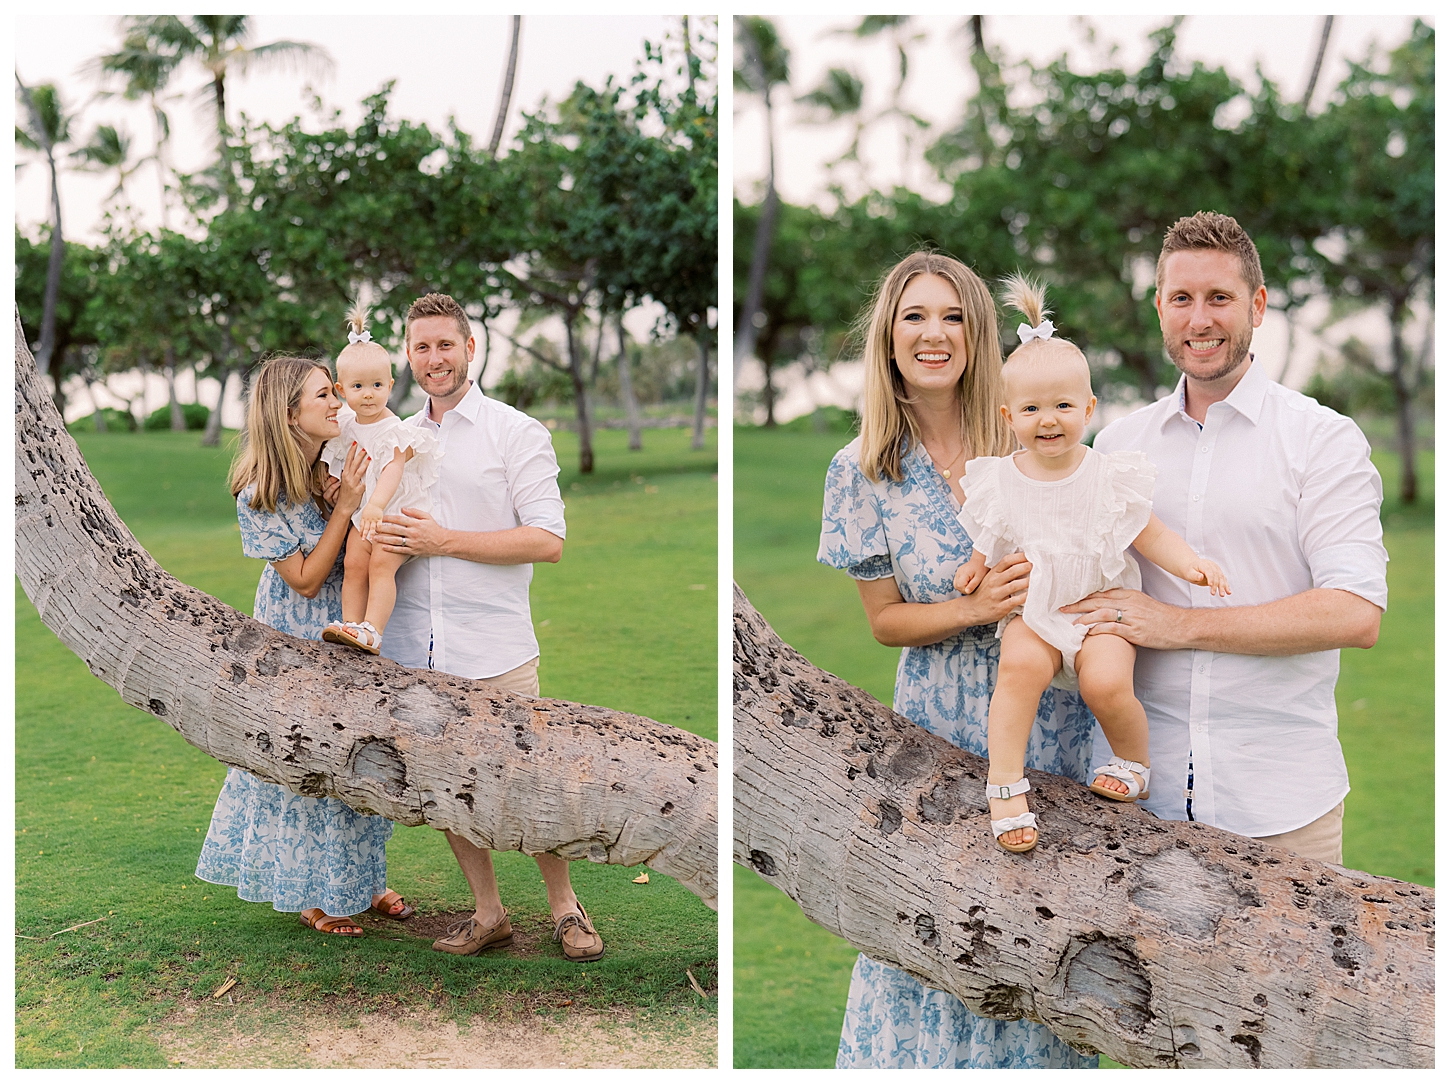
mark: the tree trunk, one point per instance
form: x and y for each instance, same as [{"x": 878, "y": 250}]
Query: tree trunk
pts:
[
  {"x": 626, "y": 389},
  {"x": 178, "y": 419},
  {"x": 508, "y": 90},
  {"x": 418, "y": 747},
  {"x": 702, "y": 388},
  {"x": 1404, "y": 380},
  {"x": 767, "y": 395},
  {"x": 100, "y": 415},
  {"x": 403, "y": 385},
  {"x": 1158, "y": 943},
  {"x": 745, "y": 329},
  {"x": 212, "y": 435},
  {"x": 581, "y": 397},
  {"x": 1318, "y": 63}
]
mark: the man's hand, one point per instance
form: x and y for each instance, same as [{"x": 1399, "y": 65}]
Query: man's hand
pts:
[
  {"x": 412, "y": 532},
  {"x": 1132, "y": 615}
]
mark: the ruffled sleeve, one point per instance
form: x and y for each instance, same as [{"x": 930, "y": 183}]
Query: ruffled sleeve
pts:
[
  {"x": 984, "y": 511},
  {"x": 424, "y": 443},
  {"x": 334, "y": 452},
  {"x": 1130, "y": 478},
  {"x": 268, "y": 535},
  {"x": 853, "y": 532}
]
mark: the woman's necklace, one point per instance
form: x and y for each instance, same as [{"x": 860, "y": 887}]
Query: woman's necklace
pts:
[{"x": 945, "y": 472}]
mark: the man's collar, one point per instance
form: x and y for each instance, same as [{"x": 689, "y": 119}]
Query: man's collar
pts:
[
  {"x": 468, "y": 406},
  {"x": 1247, "y": 396}
]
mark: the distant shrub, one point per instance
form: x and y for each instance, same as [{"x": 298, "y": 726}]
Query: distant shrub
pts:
[
  {"x": 194, "y": 413},
  {"x": 826, "y": 419},
  {"x": 116, "y": 421}
]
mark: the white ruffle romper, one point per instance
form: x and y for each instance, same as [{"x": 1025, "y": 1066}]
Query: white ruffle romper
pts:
[
  {"x": 379, "y": 439},
  {"x": 1075, "y": 531}
]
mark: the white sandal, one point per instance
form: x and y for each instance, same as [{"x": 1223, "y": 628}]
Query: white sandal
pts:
[
  {"x": 1007, "y": 824},
  {"x": 358, "y": 634},
  {"x": 1123, "y": 771}
]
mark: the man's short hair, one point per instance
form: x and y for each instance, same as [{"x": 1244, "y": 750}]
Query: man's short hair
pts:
[
  {"x": 437, "y": 305},
  {"x": 1217, "y": 233}
]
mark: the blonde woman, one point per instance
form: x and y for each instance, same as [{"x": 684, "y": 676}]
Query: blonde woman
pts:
[
  {"x": 314, "y": 856},
  {"x": 931, "y": 398}
]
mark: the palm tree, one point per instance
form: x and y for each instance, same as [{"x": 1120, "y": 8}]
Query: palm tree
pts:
[
  {"x": 218, "y": 44},
  {"x": 46, "y": 127},
  {"x": 109, "y": 148},
  {"x": 765, "y": 64},
  {"x": 146, "y": 74},
  {"x": 508, "y": 89}
]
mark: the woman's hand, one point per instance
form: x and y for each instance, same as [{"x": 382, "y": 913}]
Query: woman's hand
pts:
[
  {"x": 1002, "y": 590},
  {"x": 349, "y": 493},
  {"x": 898, "y": 623}
]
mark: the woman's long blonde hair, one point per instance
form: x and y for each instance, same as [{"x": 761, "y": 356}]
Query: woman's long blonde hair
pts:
[
  {"x": 271, "y": 453},
  {"x": 886, "y": 417}
]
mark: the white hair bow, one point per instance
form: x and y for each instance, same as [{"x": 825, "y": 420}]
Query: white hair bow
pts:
[
  {"x": 353, "y": 338},
  {"x": 1043, "y": 330}
]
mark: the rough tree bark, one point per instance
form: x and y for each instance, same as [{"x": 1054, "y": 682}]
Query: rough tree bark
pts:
[
  {"x": 418, "y": 747},
  {"x": 1159, "y": 943}
]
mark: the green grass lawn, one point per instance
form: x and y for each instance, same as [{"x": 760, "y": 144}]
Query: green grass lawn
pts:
[
  {"x": 111, "y": 804},
  {"x": 791, "y": 976}
]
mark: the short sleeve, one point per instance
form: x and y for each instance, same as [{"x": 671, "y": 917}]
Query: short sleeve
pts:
[
  {"x": 533, "y": 476},
  {"x": 1130, "y": 478},
  {"x": 853, "y": 535},
  {"x": 984, "y": 511},
  {"x": 334, "y": 455},
  {"x": 268, "y": 535},
  {"x": 1339, "y": 513}
]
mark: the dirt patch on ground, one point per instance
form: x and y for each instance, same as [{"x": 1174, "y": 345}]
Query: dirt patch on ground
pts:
[{"x": 335, "y": 1036}]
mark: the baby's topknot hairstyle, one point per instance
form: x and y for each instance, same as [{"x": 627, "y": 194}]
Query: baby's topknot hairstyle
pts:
[
  {"x": 360, "y": 345},
  {"x": 1038, "y": 341}
]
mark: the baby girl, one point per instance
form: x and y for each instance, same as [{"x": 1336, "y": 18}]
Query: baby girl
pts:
[
  {"x": 1074, "y": 513},
  {"x": 402, "y": 467}
]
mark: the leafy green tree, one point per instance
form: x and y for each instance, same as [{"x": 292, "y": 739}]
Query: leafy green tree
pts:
[
  {"x": 145, "y": 73},
  {"x": 1380, "y": 131},
  {"x": 73, "y": 310}
]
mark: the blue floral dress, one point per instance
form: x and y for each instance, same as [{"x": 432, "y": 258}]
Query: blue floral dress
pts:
[
  {"x": 273, "y": 845},
  {"x": 909, "y": 530}
]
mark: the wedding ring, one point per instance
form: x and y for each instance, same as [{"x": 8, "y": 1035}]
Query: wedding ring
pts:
[{"x": 1119, "y": 617}]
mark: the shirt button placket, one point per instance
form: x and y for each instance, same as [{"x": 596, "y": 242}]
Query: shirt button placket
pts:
[{"x": 1199, "y": 700}]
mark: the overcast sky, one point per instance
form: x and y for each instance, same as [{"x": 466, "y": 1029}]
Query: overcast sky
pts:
[
  {"x": 941, "y": 78},
  {"x": 447, "y": 64}
]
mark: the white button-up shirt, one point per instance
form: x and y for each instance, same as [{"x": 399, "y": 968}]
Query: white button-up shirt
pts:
[
  {"x": 1281, "y": 493},
  {"x": 497, "y": 471}
]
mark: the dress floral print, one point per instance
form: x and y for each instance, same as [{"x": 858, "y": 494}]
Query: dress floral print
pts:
[
  {"x": 909, "y": 530},
  {"x": 273, "y": 845}
]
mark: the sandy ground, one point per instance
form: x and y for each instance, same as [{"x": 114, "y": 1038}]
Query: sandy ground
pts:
[{"x": 334, "y": 1037}]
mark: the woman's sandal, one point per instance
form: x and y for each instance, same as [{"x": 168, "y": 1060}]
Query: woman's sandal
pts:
[
  {"x": 1007, "y": 824},
  {"x": 390, "y": 900},
  {"x": 325, "y": 923},
  {"x": 358, "y": 634},
  {"x": 1124, "y": 772}
]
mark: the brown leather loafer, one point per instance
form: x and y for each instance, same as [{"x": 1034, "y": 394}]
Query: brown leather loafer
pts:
[
  {"x": 578, "y": 938},
  {"x": 467, "y": 937}
]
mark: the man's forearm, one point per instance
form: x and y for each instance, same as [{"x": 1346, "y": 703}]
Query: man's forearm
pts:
[
  {"x": 1320, "y": 619},
  {"x": 515, "y": 546}
]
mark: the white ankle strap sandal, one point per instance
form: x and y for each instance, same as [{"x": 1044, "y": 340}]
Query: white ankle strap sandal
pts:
[
  {"x": 1007, "y": 824},
  {"x": 1123, "y": 771}
]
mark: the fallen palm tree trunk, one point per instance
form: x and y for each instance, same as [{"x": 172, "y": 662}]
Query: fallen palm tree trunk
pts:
[
  {"x": 1158, "y": 943},
  {"x": 418, "y": 747}
]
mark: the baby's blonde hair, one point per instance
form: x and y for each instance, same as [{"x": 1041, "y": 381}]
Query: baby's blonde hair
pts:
[
  {"x": 357, "y": 322},
  {"x": 1030, "y": 299}
]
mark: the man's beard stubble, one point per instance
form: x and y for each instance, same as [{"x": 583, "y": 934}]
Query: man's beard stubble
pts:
[{"x": 1238, "y": 349}]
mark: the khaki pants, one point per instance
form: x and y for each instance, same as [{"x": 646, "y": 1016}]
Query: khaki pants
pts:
[
  {"x": 1321, "y": 840},
  {"x": 523, "y": 680}
]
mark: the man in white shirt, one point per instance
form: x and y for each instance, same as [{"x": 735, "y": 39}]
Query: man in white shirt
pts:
[
  {"x": 1280, "y": 491},
  {"x": 464, "y": 607}
]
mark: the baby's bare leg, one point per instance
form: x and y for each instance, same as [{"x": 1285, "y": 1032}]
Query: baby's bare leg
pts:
[
  {"x": 355, "y": 563},
  {"x": 1024, "y": 671},
  {"x": 382, "y": 587},
  {"x": 1105, "y": 679}
]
